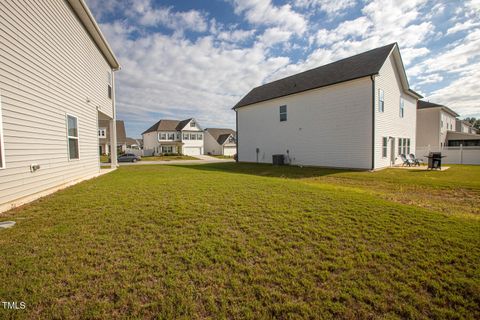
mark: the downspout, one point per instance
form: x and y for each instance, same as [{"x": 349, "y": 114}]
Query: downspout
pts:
[
  {"x": 236, "y": 129},
  {"x": 372, "y": 77}
]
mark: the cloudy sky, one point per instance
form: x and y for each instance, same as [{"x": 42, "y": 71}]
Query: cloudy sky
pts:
[{"x": 195, "y": 58}]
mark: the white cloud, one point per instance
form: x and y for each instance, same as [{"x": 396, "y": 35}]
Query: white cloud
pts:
[
  {"x": 263, "y": 12},
  {"x": 273, "y": 36},
  {"x": 328, "y": 6},
  {"x": 462, "y": 26},
  {"x": 188, "y": 20}
]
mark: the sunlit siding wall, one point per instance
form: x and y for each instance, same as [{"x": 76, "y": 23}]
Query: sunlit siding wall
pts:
[
  {"x": 389, "y": 123},
  {"x": 330, "y": 126},
  {"x": 49, "y": 67}
]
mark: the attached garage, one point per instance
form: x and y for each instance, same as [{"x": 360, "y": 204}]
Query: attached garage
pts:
[
  {"x": 192, "y": 151},
  {"x": 229, "y": 151}
]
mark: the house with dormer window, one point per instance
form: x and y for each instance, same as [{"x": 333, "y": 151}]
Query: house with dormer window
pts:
[
  {"x": 219, "y": 141},
  {"x": 174, "y": 136}
]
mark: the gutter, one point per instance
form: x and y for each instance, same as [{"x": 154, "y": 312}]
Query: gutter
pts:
[
  {"x": 372, "y": 77},
  {"x": 236, "y": 129}
]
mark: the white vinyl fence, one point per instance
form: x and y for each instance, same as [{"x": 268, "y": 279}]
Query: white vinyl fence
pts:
[
  {"x": 453, "y": 155},
  {"x": 135, "y": 151}
]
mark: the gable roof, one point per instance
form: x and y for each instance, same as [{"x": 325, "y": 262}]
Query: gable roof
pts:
[
  {"x": 358, "y": 66},
  {"x": 121, "y": 134},
  {"x": 168, "y": 125},
  {"x": 81, "y": 10},
  {"x": 220, "y": 134},
  {"x": 421, "y": 104}
]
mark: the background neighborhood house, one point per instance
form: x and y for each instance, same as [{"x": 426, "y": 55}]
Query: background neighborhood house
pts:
[
  {"x": 55, "y": 84},
  {"x": 466, "y": 127},
  {"x": 104, "y": 136},
  {"x": 358, "y": 112},
  {"x": 174, "y": 136},
  {"x": 220, "y": 142}
]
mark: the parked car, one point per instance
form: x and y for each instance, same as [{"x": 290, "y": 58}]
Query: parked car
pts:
[{"x": 128, "y": 157}]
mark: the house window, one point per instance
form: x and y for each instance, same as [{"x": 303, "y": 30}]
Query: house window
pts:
[
  {"x": 102, "y": 133},
  {"x": 163, "y": 136},
  {"x": 109, "y": 81},
  {"x": 231, "y": 139},
  {"x": 171, "y": 136},
  {"x": 72, "y": 136},
  {"x": 402, "y": 107},
  {"x": 2, "y": 149},
  {"x": 178, "y": 135},
  {"x": 400, "y": 146},
  {"x": 192, "y": 124},
  {"x": 283, "y": 113},
  {"x": 167, "y": 149},
  {"x": 381, "y": 101},
  {"x": 384, "y": 147},
  {"x": 408, "y": 146},
  {"x": 185, "y": 136},
  {"x": 200, "y": 136},
  {"x": 193, "y": 136}
]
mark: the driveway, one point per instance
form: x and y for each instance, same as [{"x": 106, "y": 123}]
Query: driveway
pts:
[{"x": 201, "y": 159}]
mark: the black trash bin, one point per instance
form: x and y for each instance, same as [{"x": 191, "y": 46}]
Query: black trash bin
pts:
[
  {"x": 435, "y": 160},
  {"x": 278, "y": 159}
]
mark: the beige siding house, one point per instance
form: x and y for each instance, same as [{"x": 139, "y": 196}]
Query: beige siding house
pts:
[
  {"x": 104, "y": 137},
  {"x": 56, "y": 83},
  {"x": 220, "y": 141},
  {"x": 358, "y": 112},
  {"x": 434, "y": 122}
]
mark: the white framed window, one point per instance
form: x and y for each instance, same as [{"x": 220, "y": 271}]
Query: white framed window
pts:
[
  {"x": 400, "y": 146},
  {"x": 102, "y": 132},
  {"x": 283, "y": 113},
  {"x": 381, "y": 101},
  {"x": 192, "y": 124},
  {"x": 2, "y": 146},
  {"x": 200, "y": 136},
  {"x": 193, "y": 136},
  {"x": 178, "y": 135},
  {"x": 167, "y": 149},
  {"x": 171, "y": 136},
  {"x": 402, "y": 107},
  {"x": 72, "y": 137},
  {"x": 185, "y": 136},
  {"x": 384, "y": 147},
  {"x": 162, "y": 136},
  {"x": 408, "y": 146}
]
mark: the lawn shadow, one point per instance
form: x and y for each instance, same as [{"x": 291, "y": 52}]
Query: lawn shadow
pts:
[{"x": 266, "y": 170}]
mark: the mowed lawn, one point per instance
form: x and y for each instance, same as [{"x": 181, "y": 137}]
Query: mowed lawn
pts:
[{"x": 242, "y": 241}]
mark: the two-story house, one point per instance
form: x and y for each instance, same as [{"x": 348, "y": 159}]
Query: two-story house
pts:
[
  {"x": 466, "y": 127},
  {"x": 174, "y": 136},
  {"x": 220, "y": 141},
  {"x": 104, "y": 137},
  {"x": 358, "y": 112},
  {"x": 56, "y": 81},
  {"x": 434, "y": 122}
]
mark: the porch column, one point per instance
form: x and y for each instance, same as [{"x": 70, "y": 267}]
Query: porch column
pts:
[{"x": 113, "y": 143}]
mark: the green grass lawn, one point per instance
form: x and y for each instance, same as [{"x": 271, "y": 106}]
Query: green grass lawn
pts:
[
  {"x": 104, "y": 158},
  {"x": 229, "y": 240},
  {"x": 221, "y": 156},
  {"x": 168, "y": 158}
]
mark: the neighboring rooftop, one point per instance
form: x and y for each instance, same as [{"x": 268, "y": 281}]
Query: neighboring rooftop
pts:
[
  {"x": 121, "y": 134},
  {"x": 355, "y": 67},
  {"x": 421, "y": 104},
  {"x": 168, "y": 125},
  {"x": 220, "y": 134}
]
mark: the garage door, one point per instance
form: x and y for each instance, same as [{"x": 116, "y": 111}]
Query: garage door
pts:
[
  {"x": 192, "y": 151},
  {"x": 229, "y": 151}
]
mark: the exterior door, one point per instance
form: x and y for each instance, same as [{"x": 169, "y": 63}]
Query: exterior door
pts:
[{"x": 392, "y": 151}]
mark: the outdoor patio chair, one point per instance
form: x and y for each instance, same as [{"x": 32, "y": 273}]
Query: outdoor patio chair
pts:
[
  {"x": 406, "y": 161},
  {"x": 415, "y": 161}
]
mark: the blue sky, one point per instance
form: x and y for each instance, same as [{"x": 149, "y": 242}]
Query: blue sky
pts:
[{"x": 184, "y": 59}]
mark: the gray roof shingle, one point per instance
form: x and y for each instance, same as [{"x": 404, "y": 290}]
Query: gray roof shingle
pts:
[
  {"x": 358, "y": 66},
  {"x": 220, "y": 134},
  {"x": 168, "y": 125},
  {"x": 426, "y": 105}
]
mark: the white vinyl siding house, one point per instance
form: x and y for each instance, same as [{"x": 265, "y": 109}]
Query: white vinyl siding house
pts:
[
  {"x": 331, "y": 116},
  {"x": 53, "y": 88},
  {"x": 174, "y": 136},
  {"x": 390, "y": 122},
  {"x": 220, "y": 141},
  {"x": 311, "y": 134}
]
